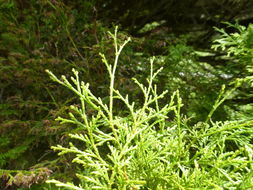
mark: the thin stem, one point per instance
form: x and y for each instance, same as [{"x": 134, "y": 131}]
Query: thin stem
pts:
[{"x": 112, "y": 77}]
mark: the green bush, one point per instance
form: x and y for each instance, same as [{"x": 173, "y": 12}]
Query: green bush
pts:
[
  {"x": 152, "y": 146},
  {"x": 60, "y": 35},
  {"x": 237, "y": 49}
]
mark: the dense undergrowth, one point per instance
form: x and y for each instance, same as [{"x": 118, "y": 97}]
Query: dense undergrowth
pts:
[
  {"x": 141, "y": 147},
  {"x": 196, "y": 136}
]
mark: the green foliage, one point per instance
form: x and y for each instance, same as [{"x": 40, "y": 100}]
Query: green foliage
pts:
[
  {"x": 199, "y": 74},
  {"x": 236, "y": 44},
  {"x": 143, "y": 147},
  {"x": 150, "y": 26},
  {"x": 198, "y": 81},
  {"x": 237, "y": 47},
  {"x": 59, "y": 35}
]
